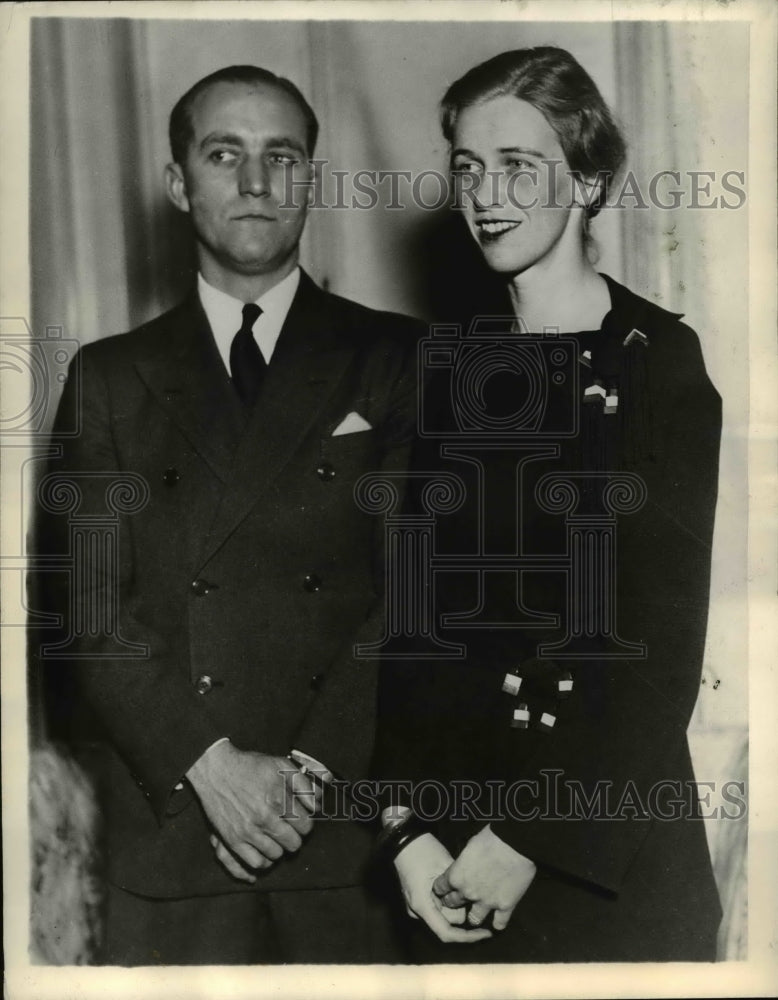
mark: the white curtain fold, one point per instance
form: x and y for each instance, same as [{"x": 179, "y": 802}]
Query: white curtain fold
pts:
[{"x": 683, "y": 89}]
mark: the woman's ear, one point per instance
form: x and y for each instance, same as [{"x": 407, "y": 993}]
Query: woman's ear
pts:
[
  {"x": 587, "y": 191},
  {"x": 175, "y": 186}
]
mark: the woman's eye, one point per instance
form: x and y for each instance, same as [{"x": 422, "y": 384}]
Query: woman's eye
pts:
[{"x": 521, "y": 164}]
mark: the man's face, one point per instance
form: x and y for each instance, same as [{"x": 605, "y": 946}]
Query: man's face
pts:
[{"x": 247, "y": 141}]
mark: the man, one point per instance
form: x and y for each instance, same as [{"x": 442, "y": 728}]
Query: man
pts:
[{"x": 248, "y": 412}]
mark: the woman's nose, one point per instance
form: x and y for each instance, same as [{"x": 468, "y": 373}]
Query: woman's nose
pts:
[{"x": 490, "y": 190}]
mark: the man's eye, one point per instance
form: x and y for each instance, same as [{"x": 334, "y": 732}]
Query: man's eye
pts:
[
  {"x": 222, "y": 156},
  {"x": 284, "y": 159},
  {"x": 467, "y": 167}
]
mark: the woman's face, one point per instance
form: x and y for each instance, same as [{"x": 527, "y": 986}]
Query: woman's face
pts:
[{"x": 517, "y": 199}]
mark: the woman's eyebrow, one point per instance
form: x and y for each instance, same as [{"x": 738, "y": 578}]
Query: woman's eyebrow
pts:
[
  {"x": 502, "y": 150},
  {"x": 523, "y": 149}
]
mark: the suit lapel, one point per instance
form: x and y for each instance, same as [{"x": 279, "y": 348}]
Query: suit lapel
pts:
[
  {"x": 190, "y": 383},
  {"x": 307, "y": 364}
]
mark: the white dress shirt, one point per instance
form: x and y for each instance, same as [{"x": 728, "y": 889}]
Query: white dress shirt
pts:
[{"x": 225, "y": 314}]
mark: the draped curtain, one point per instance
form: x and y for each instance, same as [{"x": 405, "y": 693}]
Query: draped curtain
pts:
[{"x": 683, "y": 89}]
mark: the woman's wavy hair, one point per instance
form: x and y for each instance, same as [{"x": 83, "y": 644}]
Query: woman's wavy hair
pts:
[{"x": 554, "y": 83}]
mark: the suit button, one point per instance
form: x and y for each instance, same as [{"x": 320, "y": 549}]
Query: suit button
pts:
[
  {"x": 203, "y": 684},
  {"x": 171, "y": 477},
  {"x": 325, "y": 472},
  {"x": 201, "y": 587},
  {"x": 312, "y": 583},
  {"x": 316, "y": 682}
]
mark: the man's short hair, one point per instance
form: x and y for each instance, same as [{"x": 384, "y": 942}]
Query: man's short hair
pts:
[{"x": 181, "y": 131}]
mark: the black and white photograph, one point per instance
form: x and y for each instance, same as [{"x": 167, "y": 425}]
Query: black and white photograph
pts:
[{"x": 388, "y": 496}]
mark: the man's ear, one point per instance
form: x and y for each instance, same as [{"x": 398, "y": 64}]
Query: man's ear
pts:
[{"x": 175, "y": 186}]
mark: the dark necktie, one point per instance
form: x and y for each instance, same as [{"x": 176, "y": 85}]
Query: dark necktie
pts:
[{"x": 247, "y": 365}]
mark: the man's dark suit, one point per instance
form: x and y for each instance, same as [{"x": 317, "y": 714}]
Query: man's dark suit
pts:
[{"x": 250, "y": 573}]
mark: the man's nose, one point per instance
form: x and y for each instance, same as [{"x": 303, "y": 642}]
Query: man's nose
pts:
[{"x": 253, "y": 177}]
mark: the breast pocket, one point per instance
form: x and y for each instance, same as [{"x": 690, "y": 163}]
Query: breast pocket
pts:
[{"x": 347, "y": 455}]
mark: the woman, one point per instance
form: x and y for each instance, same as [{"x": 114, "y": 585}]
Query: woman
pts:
[{"x": 570, "y": 829}]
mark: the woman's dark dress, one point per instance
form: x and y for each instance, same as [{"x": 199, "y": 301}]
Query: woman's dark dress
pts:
[{"x": 616, "y": 885}]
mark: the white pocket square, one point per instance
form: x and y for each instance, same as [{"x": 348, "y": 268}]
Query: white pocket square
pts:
[{"x": 351, "y": 424}]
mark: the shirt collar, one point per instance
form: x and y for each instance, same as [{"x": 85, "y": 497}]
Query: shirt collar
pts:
[{"x": 225, "y": 314}]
